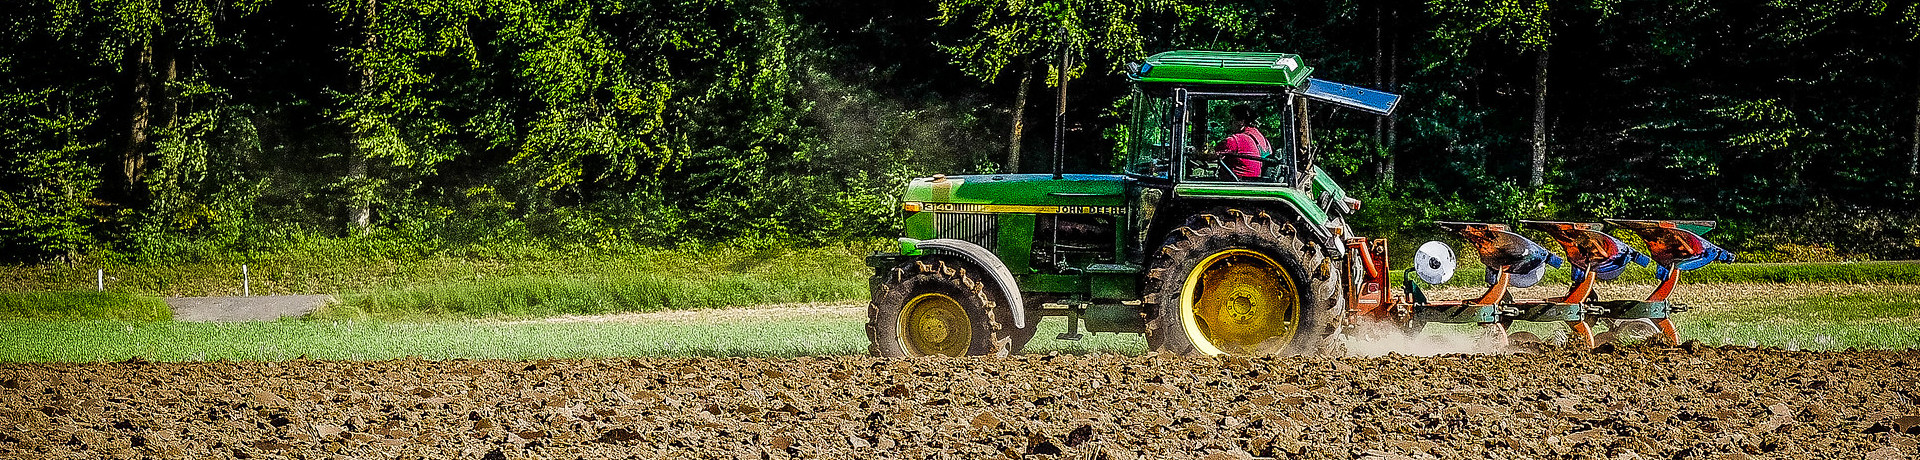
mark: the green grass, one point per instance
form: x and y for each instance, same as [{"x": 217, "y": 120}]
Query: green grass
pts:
[
  {"x": 441, "y": 288},
  {"x": 1881, "y": 318},
  {"x": 1886, "y": 317},
  {"x": 1832, "y": 272},
  {"x": 82, "y": 305},
  {"x": 102, "y": 340},
  {"x": 527, "y": 296},
  {"x": 337, "y": 268},
  {"x": 86, "y": 341}
]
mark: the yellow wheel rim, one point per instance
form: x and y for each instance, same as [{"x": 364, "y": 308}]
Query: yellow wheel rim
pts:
[
  {"x": 1239, "y": 301},
  {"x": 935, "y": 324}
]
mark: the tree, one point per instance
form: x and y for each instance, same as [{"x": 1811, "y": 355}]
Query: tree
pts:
[
  {"x": 1386, "y": 77},
  {"x": 1817, "y": 25},
  {"x": 1911, "y": 18},
  {"x": 1020, "y": 35},
  {"x": 1526, "y": 26},
  {"x": 392, "y": 113},
  {"x": 594, "y": 104}
]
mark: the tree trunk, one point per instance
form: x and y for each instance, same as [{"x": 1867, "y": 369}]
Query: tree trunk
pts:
[
  {"x": 1913, "y": 163},
  {"x": 359, "y": 208},
  {"x": 1383, "y": 173},
  {"x": 1539, "y": 121},
  {"x": 169, "y": 73},
  {"x": 1393, "y": 85},
  {"x": 133, "y": 156},
  {"x": 1019, "y": 120}
]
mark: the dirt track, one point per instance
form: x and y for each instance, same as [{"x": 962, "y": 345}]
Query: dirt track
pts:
[
  {"x": 1636, "y": 403},
  {"x": 254, "y": 308}
]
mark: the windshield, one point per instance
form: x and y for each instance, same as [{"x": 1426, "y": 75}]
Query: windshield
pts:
[
  {"x": 1150, "y": 151},
  {"x": 1239, "y": 138}
]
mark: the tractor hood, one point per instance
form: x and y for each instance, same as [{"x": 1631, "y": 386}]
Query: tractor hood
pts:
[{"x": 1022, "y": 193}]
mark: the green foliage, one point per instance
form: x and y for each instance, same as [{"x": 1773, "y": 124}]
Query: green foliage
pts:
[
  {"x": 188, "y": 130},
  {"x": 1022, "y": 33},
  {"x": 598, "y": 108},
  {"x": 82, "y": 305},
  {"x": 48, "y": 184},
  {"x": 1849, "y": 230},
  {"x": 1524, "y": 24}
]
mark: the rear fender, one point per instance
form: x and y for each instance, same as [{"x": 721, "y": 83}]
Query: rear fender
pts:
[{"x": 1002, "y": 278}]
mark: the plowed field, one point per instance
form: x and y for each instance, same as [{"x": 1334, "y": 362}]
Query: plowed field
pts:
[{"x": 1688, "y": 402}]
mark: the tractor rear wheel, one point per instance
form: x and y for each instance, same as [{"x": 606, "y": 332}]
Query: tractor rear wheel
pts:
[
  {"x": 1234, "y": 282},
  {"x": 937, "y": 305}
]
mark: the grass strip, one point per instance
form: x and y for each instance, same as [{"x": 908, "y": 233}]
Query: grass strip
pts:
[
  {"x": 345, "y": 270},
  {"x": 527, "y": 297},
  {"x": 103, "y": 340},
  {"x": 1800, "y": 318},
  {"x": 82, "y": 305},
  {"x": 434, "y": 289},
  {"x": 1885, "y": 317},
  {"x": 1905, "y": 272}
]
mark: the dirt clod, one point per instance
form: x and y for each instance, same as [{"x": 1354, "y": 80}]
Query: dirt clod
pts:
[{"x": 1908, "y": 424}]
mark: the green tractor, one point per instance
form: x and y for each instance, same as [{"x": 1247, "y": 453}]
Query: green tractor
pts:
[{"x": 1201, "y": 255}]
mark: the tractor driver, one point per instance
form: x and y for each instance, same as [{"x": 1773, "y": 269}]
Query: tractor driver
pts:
[{"x": 1244, "y": 149}]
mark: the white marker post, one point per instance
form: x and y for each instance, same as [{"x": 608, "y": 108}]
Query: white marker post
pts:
[
  {"x": 100, "y": 280},
  {"x": 246, "y": 283}
]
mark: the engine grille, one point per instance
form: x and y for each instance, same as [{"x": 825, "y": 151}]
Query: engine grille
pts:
[{"x": 981, "y": 229}]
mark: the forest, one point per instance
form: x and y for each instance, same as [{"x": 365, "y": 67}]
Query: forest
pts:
[{"x": 162, "y": 130}]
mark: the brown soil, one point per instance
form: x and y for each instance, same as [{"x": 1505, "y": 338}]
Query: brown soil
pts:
[{"x": 1687, "y": 402}]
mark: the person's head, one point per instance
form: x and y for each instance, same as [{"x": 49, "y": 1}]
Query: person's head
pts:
[{"x": 1242, "y": 115}]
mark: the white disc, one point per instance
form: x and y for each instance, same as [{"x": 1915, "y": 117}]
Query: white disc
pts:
[{"x": 1434, "y": 262}]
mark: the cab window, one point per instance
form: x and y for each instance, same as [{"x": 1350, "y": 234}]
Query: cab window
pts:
[
  {"x": 1220, "y": 148},
  {"x": 1150, "y": 149}
]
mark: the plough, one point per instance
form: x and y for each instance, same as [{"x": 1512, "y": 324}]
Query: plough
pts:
[{"x": 1514, "y": 261}]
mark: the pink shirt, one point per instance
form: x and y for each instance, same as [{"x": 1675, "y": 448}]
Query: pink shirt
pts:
[{"x": 1246, "y": 142}]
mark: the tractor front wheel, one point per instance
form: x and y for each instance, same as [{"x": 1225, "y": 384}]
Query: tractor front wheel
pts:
[
  {"x": 937, "y": 305},
  {"x": 1233, "y": 282}
]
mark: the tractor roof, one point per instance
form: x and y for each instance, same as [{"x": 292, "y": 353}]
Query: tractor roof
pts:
[{"x": 1223, "y": 67}]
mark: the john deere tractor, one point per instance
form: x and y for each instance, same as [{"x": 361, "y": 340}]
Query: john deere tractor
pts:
[{"x": 1182, "y": 246}]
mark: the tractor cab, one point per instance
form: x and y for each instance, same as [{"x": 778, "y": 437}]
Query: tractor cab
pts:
[
  {"x": 1179, "y": 130},
  {"x": 1184, "y": 107}
]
